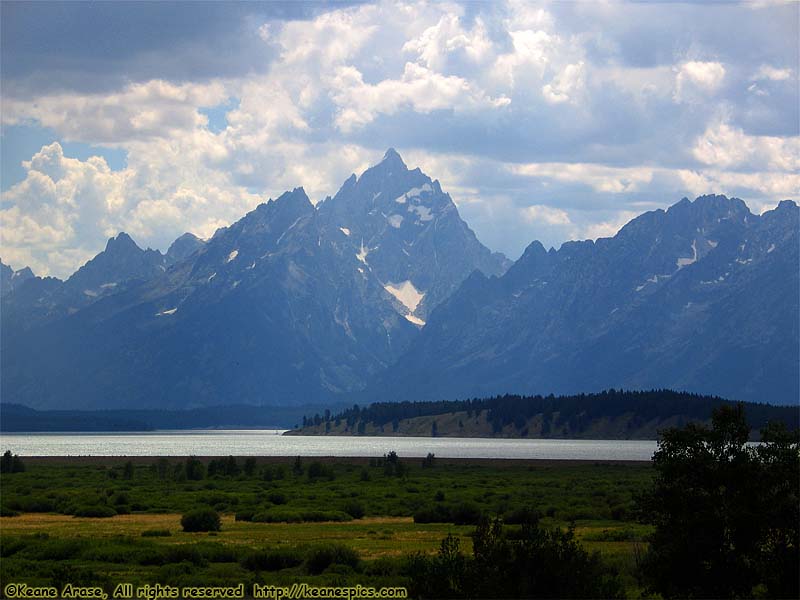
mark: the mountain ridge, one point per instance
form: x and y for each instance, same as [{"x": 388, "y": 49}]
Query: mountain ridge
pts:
[
  {"x": 383, "y": 291},
  {"x": 281, "y": 306}
]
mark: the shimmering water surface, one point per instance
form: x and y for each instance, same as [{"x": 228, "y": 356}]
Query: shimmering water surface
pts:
[{"x": 271, "y": 443}]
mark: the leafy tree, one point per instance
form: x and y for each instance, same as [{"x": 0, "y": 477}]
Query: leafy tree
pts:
[
  {"x": 11, "y": 463},
  {"x": 392, "y": 466},
  {"x": 725, "y": 513}
]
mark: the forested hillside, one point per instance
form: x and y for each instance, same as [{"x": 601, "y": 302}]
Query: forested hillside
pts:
[{"x": 613, "y": 414}]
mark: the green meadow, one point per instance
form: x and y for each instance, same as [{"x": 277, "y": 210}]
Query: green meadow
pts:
[{"x": 326, "y": 522}]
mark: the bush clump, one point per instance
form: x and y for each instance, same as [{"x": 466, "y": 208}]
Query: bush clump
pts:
[
  {"x": 321, "y": 557},
  {"x": 272, "y": 560},
  {"x": 201, "y": 519},
  {"x": 460, "y": 514},
  {"x": 354, "y": 509},
  {"x": 281, "y": 515},
  {"x": 98, "y": 512},
  {"x": 156, "y": 533}
]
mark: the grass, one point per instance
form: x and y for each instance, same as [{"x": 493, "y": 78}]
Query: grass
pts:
[{"x": 52, "y": 545}]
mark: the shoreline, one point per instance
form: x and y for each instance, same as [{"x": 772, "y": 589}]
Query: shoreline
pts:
[{"x": 355, "y": 460}]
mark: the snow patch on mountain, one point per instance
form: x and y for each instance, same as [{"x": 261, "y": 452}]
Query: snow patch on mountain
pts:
[
  {"x": 684, "y": 262},
  {"x": 171, "y": 311},
  {"x": 395, "y": 221},
  {"x": 415, "y": 320},
  {"x": 408, "y": 295},
  {"x": 344, "y": 230},
  {"x": 232, "y": 256},
  {"x": 362, "y": 253},
  {"x": 423, "y": 212}
]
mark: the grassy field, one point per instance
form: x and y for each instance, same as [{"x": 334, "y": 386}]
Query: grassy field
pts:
[{"x": 365, "y": 507}]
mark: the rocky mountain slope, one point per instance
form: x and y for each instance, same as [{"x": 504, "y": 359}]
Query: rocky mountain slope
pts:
[
  {"x": 291, "y": 304},
  {"x": 702, "y": 297}
]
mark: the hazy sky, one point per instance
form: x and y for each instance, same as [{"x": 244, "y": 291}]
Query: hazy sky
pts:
[{"x": 547, "y": 121}]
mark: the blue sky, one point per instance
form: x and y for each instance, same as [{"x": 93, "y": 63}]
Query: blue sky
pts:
[{"x": 549, "y": 121}]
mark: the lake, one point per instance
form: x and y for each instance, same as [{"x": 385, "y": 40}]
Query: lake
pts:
[{"x": 271, "y": 443}]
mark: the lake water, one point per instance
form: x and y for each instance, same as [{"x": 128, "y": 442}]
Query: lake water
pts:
[{"x": 271, "y": 443}]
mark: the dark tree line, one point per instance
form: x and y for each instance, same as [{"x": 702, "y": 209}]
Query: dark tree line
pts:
[{"x": 575, "y": 411}]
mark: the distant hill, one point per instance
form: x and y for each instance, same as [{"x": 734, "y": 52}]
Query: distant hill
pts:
[
  {"x": 612, "y": 414},
  {"x": 18, "y": 418}
]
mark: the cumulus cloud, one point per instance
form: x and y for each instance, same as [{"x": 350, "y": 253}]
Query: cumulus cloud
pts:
[
  {"x": 67, "y": 208},
  {"x": 722, "y": 145},
  {"x": 696, "y": 80},
  {"x": 543, "y": 121},
  {"x": 546, "y": 214},
  {"x": 602, "y": 178},
  {"x": 155, "y": 109},
  {"x": 419, "y": 89},
  {"x": 772, "y": 73}
]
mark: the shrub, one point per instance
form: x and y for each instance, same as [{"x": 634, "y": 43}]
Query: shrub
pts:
[
  {"x": 317, "y": 470},
  {"x": 321, "y": 557},
  {"x": 201, "y": 519},
  {"x": 277, "y": 498},
  {"x": 354, "y": 509},
  {"x": 38, "y": 505},
  {"x": 538, "y": 563},
  {"x": 7, "y": 512},
  {"x": 465, "y": 514},
  {"x": 99, "y": 511},
  {"x": 522, "y": 515},
  {"x": 156, "y": 533},
  {"x": 435, "y": 514},
  {"x": 282, "y": 515},
  {"x": 271, "y": 560}
]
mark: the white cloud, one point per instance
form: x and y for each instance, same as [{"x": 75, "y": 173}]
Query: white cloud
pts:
[
  {"x": 67, "y": 208},
  {"x": 772, "y": 73},
  {"x": 546, "y": 214},
  {"x": 436, "y": 45},
  {"x": 695, "y": 80},
  {"x": 155, "y": 109},
  {"x": 600, "y": 177},
  {"x": 419, "y": 89},
  {"x": 722, "y": 145},
  {"x": 559, "y": 111},
  {"x": 566, "y": 86},
  {"x": 609, "y": 227}
]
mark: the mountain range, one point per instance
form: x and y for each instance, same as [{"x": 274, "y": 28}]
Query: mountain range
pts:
[{"x": 382, "y": 292}]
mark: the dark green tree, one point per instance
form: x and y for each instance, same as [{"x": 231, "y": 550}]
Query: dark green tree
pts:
[
  {"x": 195, "y": 469},
  {"x": 725, "y": 513}
]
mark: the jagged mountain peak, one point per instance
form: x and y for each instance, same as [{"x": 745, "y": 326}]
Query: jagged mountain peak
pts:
[
  {"x": 184, "y": 246},
  {"x": 122, "y": 242}
]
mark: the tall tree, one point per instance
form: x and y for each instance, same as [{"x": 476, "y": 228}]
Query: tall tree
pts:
[{"x": 725, "y": 512}]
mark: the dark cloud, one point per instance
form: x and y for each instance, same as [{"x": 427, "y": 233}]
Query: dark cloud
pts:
[{"x": 98, "y": 46}]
